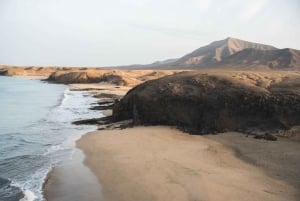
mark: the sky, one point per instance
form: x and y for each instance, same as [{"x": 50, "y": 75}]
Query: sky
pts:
[{"x": 122, "y": 32}]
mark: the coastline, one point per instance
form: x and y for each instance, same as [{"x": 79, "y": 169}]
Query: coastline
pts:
[{"x": 162, "y": 163}]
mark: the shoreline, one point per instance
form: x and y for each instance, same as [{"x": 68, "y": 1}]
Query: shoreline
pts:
[
  {"x": 72, "y": 181},
  {"x": 59, "y": 182}
]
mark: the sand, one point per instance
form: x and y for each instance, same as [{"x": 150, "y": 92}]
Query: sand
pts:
[{"x": 162, "y": 163}]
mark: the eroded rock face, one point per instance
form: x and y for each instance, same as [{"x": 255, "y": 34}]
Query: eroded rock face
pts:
[{"x": 215, "y": 102}]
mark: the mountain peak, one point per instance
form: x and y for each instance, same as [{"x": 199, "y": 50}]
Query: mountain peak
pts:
[
  {"x": 231, "y": 38},
  {"x": 217, "y": 51}
]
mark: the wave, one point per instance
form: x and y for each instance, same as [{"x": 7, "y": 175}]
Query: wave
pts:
[
  {"x": 9, "y": 192},
  {"x": 62, "y": 98},
  {"x": 52, "y": 149},
  {"x": 34, "y": 169},
  {"x": 65, "y": 96}
]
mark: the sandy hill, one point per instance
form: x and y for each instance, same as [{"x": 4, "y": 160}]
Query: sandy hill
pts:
[
  {"x": 118, "y": 77},
  {"x": 72, "y": 75},
  {"x": 41, "y": 71}
]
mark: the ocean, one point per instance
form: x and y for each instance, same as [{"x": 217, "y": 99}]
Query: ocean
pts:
[{"x": 36, "y": 133}]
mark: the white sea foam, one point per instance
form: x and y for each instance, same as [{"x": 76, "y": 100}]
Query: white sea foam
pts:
[
  {"x": 65, "y": 96},
  {"x": 52, "y": 149},
  {"x": 28, "y": 196},
  {"x": 32, "y": 188}
]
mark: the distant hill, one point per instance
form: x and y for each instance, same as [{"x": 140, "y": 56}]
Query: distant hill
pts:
[
  {"x": 216, "y": 52},
  {"x": 232, "y": 53}
]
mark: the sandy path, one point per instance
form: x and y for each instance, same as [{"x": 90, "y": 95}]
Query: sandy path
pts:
[{"x": 160, "y": 163}]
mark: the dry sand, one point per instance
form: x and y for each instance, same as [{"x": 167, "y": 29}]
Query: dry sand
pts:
[{"x": 162, "y": 163}]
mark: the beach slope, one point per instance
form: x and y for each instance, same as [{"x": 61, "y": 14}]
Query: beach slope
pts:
[{"x": 162, "y": 163}]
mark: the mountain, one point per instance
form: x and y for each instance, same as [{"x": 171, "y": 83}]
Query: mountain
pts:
[
  {"x": 251, "y": 58},
  {"x": 232, "y": 53},
  {"x": 216, "y": 52}
]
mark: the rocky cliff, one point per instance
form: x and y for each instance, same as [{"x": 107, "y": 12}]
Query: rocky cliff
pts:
[{"x": 215, "y": 101}]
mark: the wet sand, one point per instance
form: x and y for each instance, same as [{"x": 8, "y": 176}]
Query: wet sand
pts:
[
  {"x": 72, "y": 181},
  {"x": 162, "y": 163}
]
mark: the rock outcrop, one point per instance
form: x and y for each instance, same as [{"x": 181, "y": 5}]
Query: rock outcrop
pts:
[
  {"x": 215, "y": 101},
  {"x": 86, "y": 77},
  {"x": 117, "y": 77}
]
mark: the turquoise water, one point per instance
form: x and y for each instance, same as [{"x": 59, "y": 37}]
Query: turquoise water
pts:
[{"x": 36, "y": 132}]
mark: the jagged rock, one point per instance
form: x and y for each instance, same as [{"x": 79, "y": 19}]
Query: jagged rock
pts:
[{"x": 94, "y": 121}]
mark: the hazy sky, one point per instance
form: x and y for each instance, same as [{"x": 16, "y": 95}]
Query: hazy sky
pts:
[{"x": 116, "y": 32}]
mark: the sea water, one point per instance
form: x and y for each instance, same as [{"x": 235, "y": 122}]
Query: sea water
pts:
[{"x": 36, "y": 132}]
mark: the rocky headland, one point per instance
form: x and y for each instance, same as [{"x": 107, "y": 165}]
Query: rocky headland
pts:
[{"x": 216, "y": 101}]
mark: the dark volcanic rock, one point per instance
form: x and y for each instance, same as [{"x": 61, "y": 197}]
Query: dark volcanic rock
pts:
[
  {"x": 266, "y": 136},
  {"x": 103, "y": 107},
  {"x": 214, "y": 102},
  {"x": 94, "y": 121},
  {"x": 3, "y": 72}
]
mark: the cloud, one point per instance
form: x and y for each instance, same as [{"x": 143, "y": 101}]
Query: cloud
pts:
[
  {"x": 204, "y": 4},
  {"x": 180, "y": 32},
  {"x": 251, "y": 9}
]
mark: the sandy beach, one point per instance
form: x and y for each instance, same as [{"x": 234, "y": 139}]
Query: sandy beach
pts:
[
  {"x": 162, "y": 163},
  {"x": 195, "y": 100}
]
